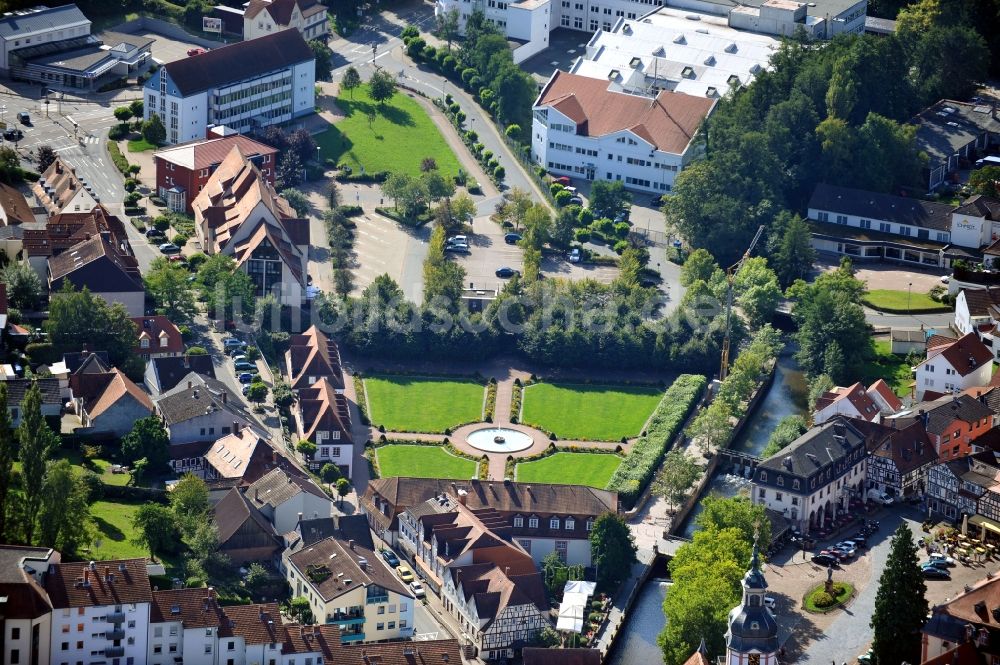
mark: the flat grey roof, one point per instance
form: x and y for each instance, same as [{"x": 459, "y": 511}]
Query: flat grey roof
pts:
[
  {"x": 948, "y": 126},
  {"x": 32, "y": 21},
  {"x": 818, "y": 8}
]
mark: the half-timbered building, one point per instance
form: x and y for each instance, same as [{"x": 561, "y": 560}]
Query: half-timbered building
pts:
[{"x": 899, "y": 460}]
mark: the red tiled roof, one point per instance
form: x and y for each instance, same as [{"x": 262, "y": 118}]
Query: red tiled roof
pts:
[
  {"x": 313, "y": 354},
  {"x": 321, "y": 408},
  {"x": 966, "y": 354},
  {"x": 155, "y": 327},
  {"x": 856, "y": 395},
  {"x": 210, "y": 152},
  {"x": 110, "y": 582},
  {"x": 668, "y": 122},
  {"x": 885, "y": 392},
  {"x": 15, "y": 207}
]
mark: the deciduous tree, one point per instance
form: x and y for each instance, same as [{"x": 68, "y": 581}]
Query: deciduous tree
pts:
[
  {"x": 612, "y": 550},
  {"x": 8, "y": 453},
  {"x": 24, "y": 288},
  {"x": 156, "y": 529},
  {"x": 64, "y": 512},
  {"x": 147, "y": 438},
  {"x": 677, "y": 475},
  {"x": 322, "y": 54},
  {"x": 167, "y": 283},
  {"x": 44, "y": 156},
  {"x": 381, "y": 86},
  {"x": 350, "y": 80}
]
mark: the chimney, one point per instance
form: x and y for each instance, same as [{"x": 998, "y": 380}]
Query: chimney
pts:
[
  {"x": 274, "y": 456},
  {"x": 86, "y": 576},
  {"x": 59, "y": 166},
  {"x": 299, "y": 520},
  {"x": 189, "y": 385},
  {"x": 350, "y": 543},
  {"x": 224, "y": 396},
  {"x": 336, "y": 522},
  {"x": 211, "y": 592},
  {"x": 236, "y": 427},
  {"x": 187, "y": 360}
]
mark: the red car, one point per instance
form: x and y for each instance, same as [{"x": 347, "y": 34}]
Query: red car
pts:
[
  {"x": 562, "y": 180},
  {"x": 196, "y": 51}
]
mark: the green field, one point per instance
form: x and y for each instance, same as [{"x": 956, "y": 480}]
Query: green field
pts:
[
  {"x": 113, "y": 521},
  {"x": 422, "y": 462},
  {"x": 592, "y": 469},
  {"x": 589, "y": 412},
  {"x": 423, "y": 404},
  {"x": 396, "y": 139},
  {"x": 901, "y": 301},
  {"x": 140, "y": 145},
  {"x": 891, "y": 367}
]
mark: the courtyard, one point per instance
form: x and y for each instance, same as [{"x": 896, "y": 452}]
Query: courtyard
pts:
[
  {"x": 432, "y": 405},
  {"x": 422, "y": 462},
  {"x": 586, "y": 412},
  {"x": 591, "y": 469}
]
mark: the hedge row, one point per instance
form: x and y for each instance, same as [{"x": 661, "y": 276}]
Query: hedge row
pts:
[
  {"x": 118, "y": 158},
  {"x": 491, "y": 400},
  {"x": 359, "y": 391},
  {"x": 642, "y": 462}
]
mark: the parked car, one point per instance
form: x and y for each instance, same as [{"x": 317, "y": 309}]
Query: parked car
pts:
[
  {"x": 622, "y": 216},
  {"x": 879, "y": 497},
  {"x": 246, "y": 389},
  {"x": 865, "y": 658},
  {"x": 657, "y": 201},
  {"x": 823, "y": 559},
  {"x": 239, "y": 357},
  {"x": 935, "y": 573},
  {"x": 233, "y": 343},
  {"x": 937, "y": 563},
  {"x": 506, "y": 272},
  {"x": 942, "y": 558},
  {"x": 860, "y": 540},
  {"x": 24, "y": 118},
  {"x": 196, "y": 51},
  {"x": 245, "y": 377},
  {"x": 418, "y": 589},
  {"x": 176, "y": 258},
  {"x": 576, "y": 200},
  {"x": 458, "y": 248},
  {"x": 155, "y": 233},
  {"x": 170, "y": 248},
  {"x": 846, "y": 546},
  {"x": 390, "y": 557},
  {"x": 457, "y": 240},
  {"x": 512, "y": 238},
  {"x": 562, "y": 180},
  {"x": 574, "y": 255},
  {"x": 245, "y": 366},
  {"x": 13, "y": 134},
  {"x": 836, "y": 554},
  {"x": 404, "y": 573}
]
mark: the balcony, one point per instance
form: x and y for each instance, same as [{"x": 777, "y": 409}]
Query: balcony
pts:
[
  {"x": 116, "y": 634},
  {"x": 114, "y": 652},
  {"x": 346, "y": 638},
  {"x": 346, "y": 618},
  {"x": 115, "y": 617},
  {"x": 375, "y": 600}
]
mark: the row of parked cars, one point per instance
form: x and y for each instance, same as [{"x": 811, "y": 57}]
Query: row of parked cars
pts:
[
  {"x": 842, "y": 552},
  {"x": 404, "y": 572},
  {"x": 245, "y": 370}
]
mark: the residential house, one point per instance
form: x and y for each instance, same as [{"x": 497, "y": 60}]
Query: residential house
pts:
[
  {"x": 953, "y": 422},
  {"x": 349, "y": 585},
  {"x": 579, "y": 656},
  {"x": 952, "y": 134},
  {"x": 499, "y": 612},
  {"x": 60, "y": 189},
  {"x": 899, "y": 459},
  {"x": 202, "y": 409},
  {"x": 240, "y": 215},
  {"x": 874, "y": 226},
  {"x": 583, "y": 129},
  {"x": 51, "y": 398},
  {"x": 955, "y": 486},
  {"x": 908, "y": 340},
  {"x": 25, "y": 613},
  {"x": 668, "y": 50},
  {"x": 953, "y": 365},
  {"x": 312, "y": 356},
  {"x": 814, "y": 478},
  {"x": 108, "y": 403},
  {"x": 245, "y": 534},
  {"x": 64, "y": 231},
  {"x": 543, "y": 518},
  {"x": 164, "y": 373},
  {"x": 183, "y": 170},
  {"x": 78, "y": 362},
  {"x": 264, "y": 17},
  {"x": 857, "y": 402},
  {"x": 99, "y": 610},
  {"x": 104, "y": 269},
  {"x": 14, "y": 208},
  {"x": 323, "y": 417},
  {"x": 441, "y": 534},
  {"x": 968, "y": 619},
  {"x": 244, "y": 85},
  {"x": 285, "y": 496},
  {"x": 158, "y": 337},
  {"x": 978, "y": 311}
]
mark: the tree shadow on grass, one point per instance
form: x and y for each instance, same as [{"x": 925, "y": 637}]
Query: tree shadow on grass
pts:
[
  {"x": 364, "y": 108},
  {"x": 109, "y": 530}
]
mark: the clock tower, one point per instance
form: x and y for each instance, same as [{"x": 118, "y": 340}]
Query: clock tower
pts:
[{"x": 752, "y": 638}]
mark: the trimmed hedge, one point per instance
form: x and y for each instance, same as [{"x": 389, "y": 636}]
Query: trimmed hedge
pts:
[
  {"x": 118, "y": 158},
  {"x": 642, "y": 462}
]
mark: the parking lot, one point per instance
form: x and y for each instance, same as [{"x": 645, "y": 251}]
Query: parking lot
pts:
[
  {"x": 166, "y": 49},
  {"x": 565, "y": 46}
]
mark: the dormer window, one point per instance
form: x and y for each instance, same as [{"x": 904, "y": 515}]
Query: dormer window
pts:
[
  {"x": 518, "y": 522},
  {"x": 554, "y": 523},
  {"x": 570, "y": 523},
  {"x": 590, "y": 524},
  {"x": 763, "y": 476},
  {"x": 532, "y": 522},
  {"x": 144, "y": 342},
  {"x": 781, "y": 481}
]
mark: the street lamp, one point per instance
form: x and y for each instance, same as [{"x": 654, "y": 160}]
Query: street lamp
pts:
[{"x": 909, "y": 288}]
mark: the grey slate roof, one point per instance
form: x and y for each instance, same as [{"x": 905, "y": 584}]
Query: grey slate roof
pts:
[
  {"x": 182, "y": 403},
  {"x": 947, "y": 126},
  {"x": 980, "y": 206},
  {"x": 279, "y": 486},
  {"x": 882, "y": 207},
  {"x": 814, "y": 450},
  {"x": 50, "y": 17},
  {"x": 941, "y": 413},
  {"x": 170, "y": 370},
  {"x": 239, "y": 61},
  {"x": 16, "y": 388}
]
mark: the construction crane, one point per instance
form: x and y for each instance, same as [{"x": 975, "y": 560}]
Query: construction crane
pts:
[{"x": 730, "y": 276}]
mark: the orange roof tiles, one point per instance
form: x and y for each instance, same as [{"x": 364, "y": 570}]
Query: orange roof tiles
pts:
[{"x": 668, "y": 122}]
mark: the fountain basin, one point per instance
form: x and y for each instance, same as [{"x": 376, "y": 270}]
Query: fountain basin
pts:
[{"x": 499, "y": 440}]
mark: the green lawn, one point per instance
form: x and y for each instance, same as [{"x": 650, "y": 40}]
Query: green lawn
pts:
[
  {"x": 589, "y": 412},
  {"x": 114, "y": 526},
  {"x": 423, "y": 404},
  {"x": 422, "y": 462},
  {"x": 592, "y": 469},
  {"x": 891, "y": 367},
  {"x": 901, "y": 301},
  {"x": 140, "y": 145},
  {"x": 397, "y": 139}
]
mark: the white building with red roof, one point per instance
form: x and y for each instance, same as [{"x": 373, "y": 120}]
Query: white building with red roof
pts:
[
  {"x": 584, "y": 129},
  {"x": 953, "y": 365},
  {"x": 856, "y": 401}
]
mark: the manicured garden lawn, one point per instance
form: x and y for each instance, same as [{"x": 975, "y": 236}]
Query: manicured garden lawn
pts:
[
  {"x": 901, "y": 301},
  {"x": 140, "y": 145},
  {"x": 589, "y": 412},
  {"x": 592, "y": 469},
  {"x": 399, "y": 136},
  {"x": 113, "y": 521},
  {"x": 423, "y": 404},
  {"x": 891, "y": 367},
  {"x": 422, "y": 462}
]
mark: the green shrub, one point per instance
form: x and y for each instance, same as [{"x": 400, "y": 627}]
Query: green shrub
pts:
[
  {"x": 415, "y": 49},
  {"x": 118, "y": 132},
  {"x": 487, "y": 155},
  {"x": 410, "y": 31},
  {"x": 468, "y": 74},
  {"x": 179, "y": 239},
  {"x": 621, "y": 246},
  {"x": 498, "y": 173},
  {"x": 555, "y": 188},
  {"x": 581, "y": 235},
  {"x": 562, "y": 197},
  {"x": 512, "y": 131},
  {"x": 604, "y": 226},
  {"x": 118, "y": 158},
  {"x": 622, "y": 229},
  {"x": 822, "y": 599},
  {"x": 638, "y": 467},
  {"x": 585, "y": 217},
  {"x": 429, "y": 53},
  {"x": 41, "y": 352}
]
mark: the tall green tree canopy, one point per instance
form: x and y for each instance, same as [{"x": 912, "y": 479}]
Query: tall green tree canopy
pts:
[
  {"x": 612, "y": 550},
  {"x": 76, "y": 317},
  {"x": 900, "y": 604}
]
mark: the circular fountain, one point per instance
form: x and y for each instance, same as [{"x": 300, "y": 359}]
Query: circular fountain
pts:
[{"x": 499, "y": 440}]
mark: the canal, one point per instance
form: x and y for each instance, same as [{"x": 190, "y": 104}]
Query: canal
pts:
[{"x": 787, "y": 396}]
